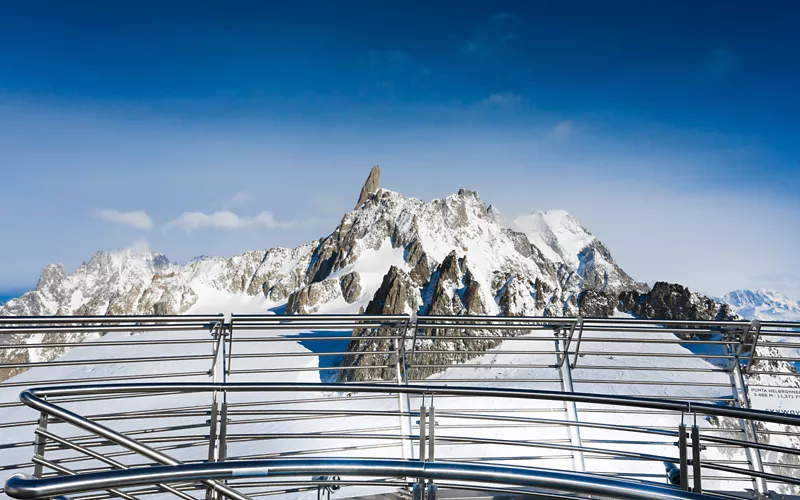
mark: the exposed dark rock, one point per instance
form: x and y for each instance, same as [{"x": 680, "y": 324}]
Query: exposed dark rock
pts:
[
  {"x": 414, "y": 253},
  {"x": 308, "y": 299},
  {"x": 10, "y": 357},
  {"x": 396, "y": 293},
  {"x": 278, "y": 291},
  {"x": 594, "y": 304},
  {"x": 371, "y": 186},
  {"x": 161, "y": 308},
  {"x": 351, "y": 286},
  {"x": 673, "y": 301},
  {"x": 449, "y": 269},
  {"x": 521, "y": 243},
  {"x": 416, "y": 257},
  {"x": 452, "y": 291},
  {"x": 542, "y": 291},
  {"x": 472, "y": 296}
]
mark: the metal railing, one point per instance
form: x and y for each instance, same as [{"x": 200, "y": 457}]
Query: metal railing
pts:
[
  {"x": 37, "y": 399},
  {"x": 572, "y": 417}
]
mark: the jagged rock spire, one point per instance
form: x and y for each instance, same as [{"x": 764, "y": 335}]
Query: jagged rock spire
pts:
[{"x": 371, "y": 186}]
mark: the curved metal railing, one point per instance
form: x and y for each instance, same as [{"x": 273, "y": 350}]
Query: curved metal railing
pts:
[
  {"x": 30, "y": 489},
  {"x": 574, "y": 367},
  {"x": 40, "y": 399}
]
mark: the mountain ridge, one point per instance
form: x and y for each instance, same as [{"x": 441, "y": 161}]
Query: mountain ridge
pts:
[
  {"x": 544, "y": 263},
  {"x": 763, "y": 304}
]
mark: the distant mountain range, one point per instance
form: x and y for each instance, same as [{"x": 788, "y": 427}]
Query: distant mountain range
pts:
[
  {"x": 763, "y": 304},
  {"x": 454, "y": 255}
]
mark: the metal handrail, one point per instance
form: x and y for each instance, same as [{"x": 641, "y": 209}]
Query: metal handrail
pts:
[
  {"x": 174, "y": 318},
  {"x": 404, "y": 332},
  {"x": 34, "y": 398},
  {"x": 24, "y": 488}
]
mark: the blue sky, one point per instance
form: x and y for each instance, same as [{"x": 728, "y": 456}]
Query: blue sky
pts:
[{"x": 669, "y": 129}]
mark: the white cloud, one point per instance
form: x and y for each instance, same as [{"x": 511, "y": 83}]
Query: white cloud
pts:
[
  {"x": 241, "y": 197},
  {"x": 563, "y": 129},
  {"x": 225, "y": 219},
  {"x": 137, "y": 219},
  {"x": 504, "y": 100}
]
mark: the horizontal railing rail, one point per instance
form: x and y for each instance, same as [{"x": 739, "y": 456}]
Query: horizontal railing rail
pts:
[
  {"x": 36, "y": 397},
  {"x": 29, "y": 489}
]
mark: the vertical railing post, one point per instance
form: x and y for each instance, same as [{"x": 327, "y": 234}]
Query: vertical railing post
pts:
[
  {"x": 751, "y": 358},
  {"x": 218, "y": 355},
  {"x": 39, "y": 443},
  {"x": 565, "y": 374},
  {"x": 212, "y": 432},
  {"x": 683, "y": 461},
  {"x": 223, "y": 428},
  {"x": 403, "y": 404},
  {"x": 419, "y": 485},
  {"x": 579, "y": 325},
  {"x": 739, "y": 384},
  {"x": 432, "y": 488},
  {"x": 696, "y": 473},
  {"x": 431, "y": 433},
  {"x": 423, "y": 416}
]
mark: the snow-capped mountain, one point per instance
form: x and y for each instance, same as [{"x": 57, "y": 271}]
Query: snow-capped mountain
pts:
[
  {"x": 452, "y": 255},
  {"x": 128, "y": 282},
  {"x": 540, "y": 271},
  {"x": 563, "y": 240},
  {"x": 763, "y": 304}
]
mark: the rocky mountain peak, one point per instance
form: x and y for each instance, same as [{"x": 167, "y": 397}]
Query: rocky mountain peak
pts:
[
  {"x": 51, "y": 276},
  {"x": 371, "y": 186}
]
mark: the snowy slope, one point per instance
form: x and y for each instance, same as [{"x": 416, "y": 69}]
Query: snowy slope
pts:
[
  {"x": 557, "y": 234},
  {"x": 563, "y": 240}
]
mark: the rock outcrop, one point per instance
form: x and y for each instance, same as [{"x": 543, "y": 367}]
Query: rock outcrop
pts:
[
  {"x": 594, "y": 304},
  {"x": 351, "y": 286},
  {"x": 371, "y": 186},
  {"x": 417, "y": 259},
  {"x": 397, "y": 295},
  {"x": 310, "y": 298},
  {"x": 673, "y": 301}
]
